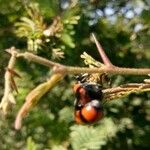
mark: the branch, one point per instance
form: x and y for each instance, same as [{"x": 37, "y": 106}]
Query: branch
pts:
[
  {"x": 8, "y": 98},
  {"x": 77, "y": 70},
  {"x": 125, "y": 90}
]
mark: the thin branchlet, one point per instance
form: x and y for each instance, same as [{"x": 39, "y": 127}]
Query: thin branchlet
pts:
[{"x": 124, "y": 90}]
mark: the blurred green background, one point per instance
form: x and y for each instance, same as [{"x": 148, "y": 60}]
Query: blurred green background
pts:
[{"x": 123, "y": 29}]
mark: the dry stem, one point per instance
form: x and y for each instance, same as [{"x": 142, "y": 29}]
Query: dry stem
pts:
[
  {"x": 8, "y": 99},
  {"x": 33, "y": 97},
  {"x": 124, "y": 90}
]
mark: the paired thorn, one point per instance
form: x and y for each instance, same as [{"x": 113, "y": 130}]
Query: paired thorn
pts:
[
  {"x": 13, "y": 83},
  {"x": 103, "y": 55},
  {"x": 13, "y": 72}
]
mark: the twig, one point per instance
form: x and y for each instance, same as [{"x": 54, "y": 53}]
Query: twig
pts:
[
  {"x": 124, "y": 90},
  {"x": 76, "y": 70},
  {"x": 108, "y": 70},
  {"x": 33, "y": 97},
  {"x": 37, "y": 59},
  {"x": 8, "y": 99}
]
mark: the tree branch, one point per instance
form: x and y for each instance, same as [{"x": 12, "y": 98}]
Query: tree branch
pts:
[{"x": 76, "y": 70}]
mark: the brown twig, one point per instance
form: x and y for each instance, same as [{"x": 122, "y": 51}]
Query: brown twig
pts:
[
  {"x": 76, "y": 70},
  {"x": 8, "y": 99},
  {"x": 124, "y": 90}
]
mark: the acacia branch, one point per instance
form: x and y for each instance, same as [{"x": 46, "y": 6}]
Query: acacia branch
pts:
[
  {"x": 108, "y": 67},
  {"x": 59, "y": 71},
  {"x": 77, "y": 70}
]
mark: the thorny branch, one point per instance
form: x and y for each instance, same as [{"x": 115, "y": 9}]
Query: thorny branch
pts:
[
  {"x": 8, "y": 98},
  {"x": 59, "y": 71},
  {"x": 77, "y": 70},
  {"x": 124, "y": 90}
]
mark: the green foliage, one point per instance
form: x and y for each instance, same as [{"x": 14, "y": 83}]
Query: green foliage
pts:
[
  {"x": 32, "y": 27},
  {"x": 61, "y": 29},
  {"x": 30, "y": 144},
  {"x": 90, "y": 137},
  {"x": 35, "y": 29}
]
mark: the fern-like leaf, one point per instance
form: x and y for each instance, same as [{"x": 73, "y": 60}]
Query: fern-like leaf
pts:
[{"x": 90, "y": 137}]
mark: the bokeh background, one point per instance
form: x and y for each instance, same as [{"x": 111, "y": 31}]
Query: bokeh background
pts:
[{"x": 60, "y": 30}]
